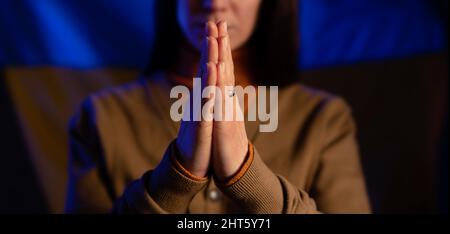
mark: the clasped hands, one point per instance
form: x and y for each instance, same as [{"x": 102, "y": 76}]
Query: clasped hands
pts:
[{"x": 212, "y": 147}]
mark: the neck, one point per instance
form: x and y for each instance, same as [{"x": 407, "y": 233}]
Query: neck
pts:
[{"x": 188, "y": 58}]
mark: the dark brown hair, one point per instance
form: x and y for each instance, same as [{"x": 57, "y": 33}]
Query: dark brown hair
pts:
[{"x": 273, "y": 45}]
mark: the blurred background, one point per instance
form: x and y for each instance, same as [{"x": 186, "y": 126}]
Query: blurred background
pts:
[{"x": 387, "y": 58}]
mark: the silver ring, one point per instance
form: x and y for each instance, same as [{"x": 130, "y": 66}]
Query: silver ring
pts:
[{"x": 231, "y": 92}]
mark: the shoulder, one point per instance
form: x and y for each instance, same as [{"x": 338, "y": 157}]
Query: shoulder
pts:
[
  {"x": 322, "y": 109},
  {"x": 314, "y": 115},
  {"x": 115, "y": 96},
  {"x": 130, "y": 95},
  {"x": 116, "y": 102}
]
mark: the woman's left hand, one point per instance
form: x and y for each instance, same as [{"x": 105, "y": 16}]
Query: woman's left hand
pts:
[{"x": 230, "y": 142}]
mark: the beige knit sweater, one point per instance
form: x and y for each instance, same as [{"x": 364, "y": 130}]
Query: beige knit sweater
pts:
[{"x": 122, "y": 158}]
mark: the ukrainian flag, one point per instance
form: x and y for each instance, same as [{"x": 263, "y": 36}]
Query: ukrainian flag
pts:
[{"x": 53, "y": 53}]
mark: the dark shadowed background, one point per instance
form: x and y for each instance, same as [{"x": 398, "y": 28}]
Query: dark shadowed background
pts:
[{"x": 387, "y": 58}]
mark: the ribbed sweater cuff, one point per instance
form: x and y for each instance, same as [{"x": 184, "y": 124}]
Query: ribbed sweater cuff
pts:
[
  {"x": 258, "y": 190},
  {"x": 169, "y": 185}
]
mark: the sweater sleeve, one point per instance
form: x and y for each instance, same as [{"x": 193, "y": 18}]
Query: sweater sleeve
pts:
[
  {"x": 258, "y": 190},
  {"x": 169, "y": 188},
  {"x": 165, "y": 189},
  {"x": 339, "y": 186}
]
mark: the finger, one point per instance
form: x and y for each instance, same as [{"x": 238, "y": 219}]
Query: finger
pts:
[
  {"x": 211, "y": 29},
  {"x": 222, "y": 29},
  {"x": 209, "y": 77},
  {"x": 212, "y": 44},
  {"x": 220, "y": 100},
  {"x": 211, "y": 55},
  {"x": 225, "y": 54},
  {"x": 208, "y": 93},
  {"x": 223, "y": 33},
  {"x": 212, "y": 50},
  {"x": 212, "y": 74},
  {"x": 229, "y": 102},
  {"x": 223, "y": 82},
  {"x": 227, "y": 45},
  {"x": 221, "y": 75}
]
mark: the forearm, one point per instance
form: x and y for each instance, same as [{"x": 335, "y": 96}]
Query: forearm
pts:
[
  {"x": 169, "y": 188},
  {"x": 258, "y": 190}
]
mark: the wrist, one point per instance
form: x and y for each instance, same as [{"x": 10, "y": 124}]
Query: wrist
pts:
[
  {"x": 188, "y": 164},
  {"x": 227, "y": 169}
]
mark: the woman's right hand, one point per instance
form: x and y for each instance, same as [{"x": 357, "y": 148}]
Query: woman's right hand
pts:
[{"x": 194, "y": 139}]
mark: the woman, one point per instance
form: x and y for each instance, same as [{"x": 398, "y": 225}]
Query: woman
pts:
[{"x": 128, "y": 156}]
